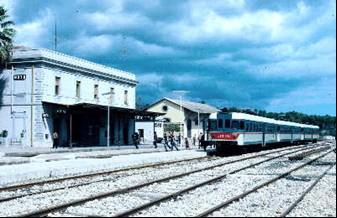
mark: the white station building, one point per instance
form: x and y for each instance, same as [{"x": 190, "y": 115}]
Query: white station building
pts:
[
  {"x": 44, "y": 91},
  {"x": 192, "y": 117}
]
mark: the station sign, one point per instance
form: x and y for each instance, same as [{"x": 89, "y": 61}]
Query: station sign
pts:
[{"x": 19, "y": 77}]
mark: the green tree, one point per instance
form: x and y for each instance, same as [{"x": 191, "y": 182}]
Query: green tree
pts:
[
  {"x": 171, "y": 127},
  {"x": 7, "y": 33}
]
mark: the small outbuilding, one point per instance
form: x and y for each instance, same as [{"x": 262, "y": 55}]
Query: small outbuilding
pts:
[{"x": 190, "y": 117}]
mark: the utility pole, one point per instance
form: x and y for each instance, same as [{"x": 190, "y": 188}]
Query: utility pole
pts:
[
  {"x": 181, "y": 93},
  {"x": 108, "y": 115},
  {"x": 55, "y": 34}
]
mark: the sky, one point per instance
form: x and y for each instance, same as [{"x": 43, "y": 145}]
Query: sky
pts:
[{"x": 277, "y": 56}]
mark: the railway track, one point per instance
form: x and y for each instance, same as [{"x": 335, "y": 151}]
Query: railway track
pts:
[
  {"x": 63, "y": 207},
  {"x": 55, "y": 180},
  {"x": 21, "y": 187},
  {"x": 287, "y": 211},
  {"x": 301, "y": 156},
  {"x": 265, "y": 184},
  {"x": 138, "y": 209}
]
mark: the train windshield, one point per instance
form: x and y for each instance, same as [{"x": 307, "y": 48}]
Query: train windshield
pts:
[
  {"x": 212, "y": 125},
  {"x": 235, "y": 124}
]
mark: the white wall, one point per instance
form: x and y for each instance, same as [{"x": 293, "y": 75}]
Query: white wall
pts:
[
  {"x": 173, "y": 113},
  {"x": 67, "y": 93},
  {"x": 27, "y": 102},
  {"x": 148, "y": 128}
]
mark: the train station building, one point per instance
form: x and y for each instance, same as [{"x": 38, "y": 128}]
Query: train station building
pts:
[
  {"x": 191, "y": 117},
  {"x": 86, "y": 104}
]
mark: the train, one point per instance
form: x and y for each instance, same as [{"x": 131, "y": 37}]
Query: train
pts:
[{"x": 227, "y": 130}]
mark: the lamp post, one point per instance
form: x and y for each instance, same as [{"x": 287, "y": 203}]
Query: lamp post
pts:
[
  {"x": 181, "y": 93},
  {"x": 108, "y": 115}
]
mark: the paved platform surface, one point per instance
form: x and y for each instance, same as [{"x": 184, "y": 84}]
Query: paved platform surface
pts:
[
  {"x": 19, "y": 151},
  {"x": 22, "y": 155},
  {"x": 46, "y": 165}
]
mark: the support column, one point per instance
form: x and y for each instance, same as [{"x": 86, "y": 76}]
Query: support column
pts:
[
  {"x": 70, "y": 129},
  {"x": 32, "y": 110},
  {"x": 116, "y": 131},
  {"x": 132, "y": 129},
  {"x": 108, "y": 128},
  {"x": 121, "y": 131}
]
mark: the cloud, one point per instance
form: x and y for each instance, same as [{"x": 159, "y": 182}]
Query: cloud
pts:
[
  {"x": 322, "y": 93},
  {"x": 227, "y": 53}
]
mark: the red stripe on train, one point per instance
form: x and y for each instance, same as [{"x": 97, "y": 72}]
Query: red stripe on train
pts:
[{"x": 225, "y": 135}]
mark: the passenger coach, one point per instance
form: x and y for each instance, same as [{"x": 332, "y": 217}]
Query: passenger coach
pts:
[{"x": 239, "y": 129}]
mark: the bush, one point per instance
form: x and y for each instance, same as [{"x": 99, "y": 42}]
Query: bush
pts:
[
  {"x": 4, "y": 134},
  {"x": 171, "y": 127}
]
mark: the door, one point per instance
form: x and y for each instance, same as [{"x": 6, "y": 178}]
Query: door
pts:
[
  {"x": 189, "y": 128},
  {"x": 126, "y": 133},
  {"x": 56, "y": 128}
]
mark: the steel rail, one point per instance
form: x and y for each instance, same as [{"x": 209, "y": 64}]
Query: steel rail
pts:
[
  {"x": 96, "y": 181},
  {"x": 238, "y": 197},
  {"x": 308, "y": 153},
  {"x": 46, "y": 211},
  {"x": 293, "y": 205},
  {"x": 51, "y": 181},
  {"x": 184, "y": 191}
]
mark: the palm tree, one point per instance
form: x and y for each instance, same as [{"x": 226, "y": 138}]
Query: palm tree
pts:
[{"x": 7, "y": 33}]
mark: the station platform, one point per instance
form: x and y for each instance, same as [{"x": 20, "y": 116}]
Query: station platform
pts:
[{"x": 21, "y": 155}]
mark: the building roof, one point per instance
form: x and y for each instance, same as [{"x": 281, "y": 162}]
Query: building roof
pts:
[
  {"x": 29, "y": 55},
  {"x": 192, "y": 106},
  {"x": 117, "y": 109}
]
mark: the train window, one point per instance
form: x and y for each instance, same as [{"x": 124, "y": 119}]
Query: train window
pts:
[
  {"x": 227, "y": 124},
  {"x": 235, "y": 124},
  {"x": 212, "y": 125},
  {"x": 220, "y": 123},
  {"x": 242, "y": 124}
]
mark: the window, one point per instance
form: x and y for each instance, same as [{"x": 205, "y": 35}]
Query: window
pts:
[
  {"x": 57, "y": 85},
  {"x": 78, "y": 89},
  {"x": 220, "y": 123},
  {"x": 196, "y": 122},
  {"x": 112, "y": 95},
  {"x": 242, "y": 124},
  {"x": 126, "y": 100},
  {"x": 227, "y": 124},
  {"x": 96, "y": 92},
  {"x": 212, "y": 125},
  {"x": 235, "y": 124},
  {"x": 165, "y": 108}
]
